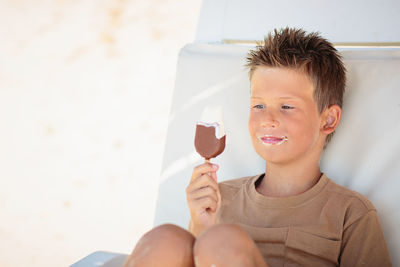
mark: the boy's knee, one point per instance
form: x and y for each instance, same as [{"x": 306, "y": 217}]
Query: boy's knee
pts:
[
  {"x": 166, "y": 243},
  {"x": 224, "y": 245},
  {"x": 170, "y": 234}
]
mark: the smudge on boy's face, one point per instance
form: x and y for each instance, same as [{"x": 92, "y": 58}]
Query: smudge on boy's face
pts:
[{"x": 284, "y": 122}]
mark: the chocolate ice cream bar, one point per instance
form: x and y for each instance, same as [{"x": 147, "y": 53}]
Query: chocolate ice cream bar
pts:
[
  {"x": 206, "y": 142},
  {"x": 210, "y": 133}
]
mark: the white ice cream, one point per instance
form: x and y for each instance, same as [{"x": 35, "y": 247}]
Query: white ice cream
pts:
[{"x": 213, "y": 117}]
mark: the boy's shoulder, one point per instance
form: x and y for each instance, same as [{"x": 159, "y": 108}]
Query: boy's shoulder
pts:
[
  {"x": 351, "y": 204},
  {"x": 237, "y": 183},
  {"x": 349, "y": 196},
  {"x": 230, "y": 187}
]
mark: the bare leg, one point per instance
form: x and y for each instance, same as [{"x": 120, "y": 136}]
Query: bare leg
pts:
[
  {"x": 227, "y": 245},
  {"x": 166, "y": 245}
]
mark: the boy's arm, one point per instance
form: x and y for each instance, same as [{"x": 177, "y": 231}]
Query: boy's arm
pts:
[
  {"x": 363, "y": 243},
  {"x": 203, "y": 198}
]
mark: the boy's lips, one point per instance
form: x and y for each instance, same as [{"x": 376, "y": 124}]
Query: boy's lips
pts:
[{"x": 272, "y": 140}]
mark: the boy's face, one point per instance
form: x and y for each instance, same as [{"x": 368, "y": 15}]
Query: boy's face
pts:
[{"x": 284, "y": 122}]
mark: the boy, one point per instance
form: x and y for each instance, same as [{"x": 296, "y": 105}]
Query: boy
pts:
[{"x": 292, "y": 215}]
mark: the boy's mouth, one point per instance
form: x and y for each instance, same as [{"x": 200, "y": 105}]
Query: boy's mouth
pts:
[{"x": 272, "y": 140}]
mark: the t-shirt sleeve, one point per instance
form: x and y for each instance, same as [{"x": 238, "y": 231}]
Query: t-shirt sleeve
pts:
[{"x": 363, "y": 243}]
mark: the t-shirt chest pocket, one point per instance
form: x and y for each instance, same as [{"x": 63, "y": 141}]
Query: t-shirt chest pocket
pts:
[{"x": 303, "y": 247}]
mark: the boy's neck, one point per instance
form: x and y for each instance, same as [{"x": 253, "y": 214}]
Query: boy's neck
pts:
[{"x": 288, "y": 180}]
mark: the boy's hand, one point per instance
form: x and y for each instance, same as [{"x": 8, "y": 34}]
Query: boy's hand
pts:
[{"x": 203, "y": 198}]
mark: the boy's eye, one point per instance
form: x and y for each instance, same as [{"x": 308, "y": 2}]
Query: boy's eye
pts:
[
  {"x": 287, "y": 107},
  {"x": 258, "y": 106}
]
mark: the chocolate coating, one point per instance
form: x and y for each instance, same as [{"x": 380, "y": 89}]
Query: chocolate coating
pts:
[{"x": 206, "y": 142}]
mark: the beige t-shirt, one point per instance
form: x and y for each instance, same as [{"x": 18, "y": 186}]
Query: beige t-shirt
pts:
[{"x": 328, "y": 225}]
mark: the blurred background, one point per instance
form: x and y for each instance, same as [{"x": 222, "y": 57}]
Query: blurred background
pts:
[{"x": 85, "y": 92}]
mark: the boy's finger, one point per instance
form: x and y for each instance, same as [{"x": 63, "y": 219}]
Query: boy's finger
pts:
[
  {"x": 219, "y": 201},
  {"x": 203, "y": 181},
  {"x": 214, "y": 176},
  {"x": 204, "y": 192},
  {"x": 203, "y": 168},
  {"x": 207, "y": 202}
]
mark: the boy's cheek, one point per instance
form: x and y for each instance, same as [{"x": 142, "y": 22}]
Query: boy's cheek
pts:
[{"x": 252, "y": 125}]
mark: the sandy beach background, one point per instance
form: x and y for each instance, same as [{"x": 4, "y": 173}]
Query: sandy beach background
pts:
[{"x": 85, "y": 91}]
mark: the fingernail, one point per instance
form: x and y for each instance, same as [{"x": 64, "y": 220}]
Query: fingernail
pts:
[{"x": 214, "y": 166}]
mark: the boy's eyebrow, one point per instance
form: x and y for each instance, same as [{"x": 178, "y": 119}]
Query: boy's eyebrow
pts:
[
  {"x": 289, "y": 97},
  {"x": 282, "y": 97}
]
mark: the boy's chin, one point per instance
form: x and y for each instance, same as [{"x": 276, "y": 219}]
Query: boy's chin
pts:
[{"x": 275, "y": 157}]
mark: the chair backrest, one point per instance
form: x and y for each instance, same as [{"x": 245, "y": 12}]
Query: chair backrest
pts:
[
  {"x": 363, "y": 154},
  {"x": 341, "y": 21}
]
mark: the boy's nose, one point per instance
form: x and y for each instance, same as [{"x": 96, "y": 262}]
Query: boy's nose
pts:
[{"x": 269, "y": 121}]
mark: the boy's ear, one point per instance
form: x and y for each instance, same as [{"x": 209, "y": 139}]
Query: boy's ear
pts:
[{"x": 331, "y": 118}]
